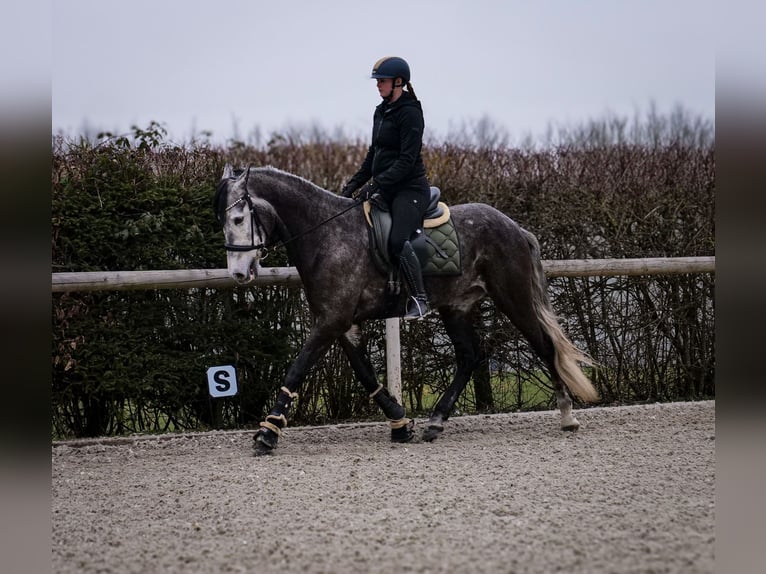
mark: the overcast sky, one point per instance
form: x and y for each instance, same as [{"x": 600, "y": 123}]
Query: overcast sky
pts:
[{"x": 229, "y": 66}]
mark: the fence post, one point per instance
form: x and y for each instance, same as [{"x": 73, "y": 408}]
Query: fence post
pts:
[{"x": 393, "y": 359}]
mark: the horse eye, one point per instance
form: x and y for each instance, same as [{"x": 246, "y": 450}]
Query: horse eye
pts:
[{"x": 238, "y": 220}]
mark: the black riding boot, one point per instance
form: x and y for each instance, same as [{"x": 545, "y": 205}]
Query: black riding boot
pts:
[{"x": 417, "y": 303}]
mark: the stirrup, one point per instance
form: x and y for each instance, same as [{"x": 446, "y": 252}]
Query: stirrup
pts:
[{"x": 417, "y": 308}]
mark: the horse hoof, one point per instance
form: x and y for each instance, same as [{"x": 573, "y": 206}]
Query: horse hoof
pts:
[
  {"x": 403, "y": 434},
  {"x": 260, "y": 449},
  {"x": 569, "y": 423},
  {"x": 432, "y": 431},
  {"x": 264, "y": 444}
]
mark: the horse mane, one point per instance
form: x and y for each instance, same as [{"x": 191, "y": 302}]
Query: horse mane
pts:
[
  {"x": 223, "y": 184},
  {"x": 287, "y": 175}
]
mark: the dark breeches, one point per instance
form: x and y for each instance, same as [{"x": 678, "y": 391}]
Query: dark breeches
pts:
[{"x": 407, "y": 210}]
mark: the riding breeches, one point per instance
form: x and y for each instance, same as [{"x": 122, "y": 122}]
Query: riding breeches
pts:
[{"x": 408, "y": 208}]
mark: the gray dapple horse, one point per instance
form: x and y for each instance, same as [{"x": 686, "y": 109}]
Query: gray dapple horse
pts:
[{"x": 327, "y": 241}]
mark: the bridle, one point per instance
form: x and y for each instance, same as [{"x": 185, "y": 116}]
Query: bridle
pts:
[{"x": 255, "y": 223}]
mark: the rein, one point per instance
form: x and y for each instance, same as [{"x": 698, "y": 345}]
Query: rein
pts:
[{"x": 255, "y": 222}]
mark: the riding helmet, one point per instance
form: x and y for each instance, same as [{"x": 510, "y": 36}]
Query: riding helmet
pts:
[{"x": 391, "y": 67}]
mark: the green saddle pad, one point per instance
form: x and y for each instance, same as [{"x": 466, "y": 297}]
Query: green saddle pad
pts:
[{"x": 437, "y": 247}]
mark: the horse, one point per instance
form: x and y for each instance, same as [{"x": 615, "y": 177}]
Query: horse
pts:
[{"x": 327, "y": 241}]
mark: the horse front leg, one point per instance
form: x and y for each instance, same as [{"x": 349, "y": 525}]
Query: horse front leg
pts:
[
  {"x": 353, "y": 344},
  {"x": 313, "y": 349}
]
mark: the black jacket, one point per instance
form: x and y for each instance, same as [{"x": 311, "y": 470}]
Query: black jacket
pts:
[{"x": 393, "y": 159}]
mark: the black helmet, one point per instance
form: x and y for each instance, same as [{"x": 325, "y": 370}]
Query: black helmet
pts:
[{"x": 391, "y": 67}]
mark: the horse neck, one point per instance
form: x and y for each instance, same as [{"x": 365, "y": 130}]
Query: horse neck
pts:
[{"x": 298, "y": 203}]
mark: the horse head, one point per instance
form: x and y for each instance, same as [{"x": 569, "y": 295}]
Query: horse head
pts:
[{"x": 247, "y": 222}]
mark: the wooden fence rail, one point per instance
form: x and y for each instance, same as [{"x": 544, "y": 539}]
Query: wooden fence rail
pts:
[{"x": 191, "y": 278}]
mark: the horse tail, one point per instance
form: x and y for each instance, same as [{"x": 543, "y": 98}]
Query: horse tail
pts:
[{"x": 566, "y": 355}]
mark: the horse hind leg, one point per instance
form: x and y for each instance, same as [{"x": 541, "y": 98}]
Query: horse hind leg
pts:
[
  {"x": 523, "y": 298},
  {"x": 537, "y": 323},
  {"x": 352, "y": 343},
  {"x": 461, "y": 331},
  {"x": 543, "y": 346},
  {"x": 564, "y": 367},
  {"x": 568, "y": 421}
]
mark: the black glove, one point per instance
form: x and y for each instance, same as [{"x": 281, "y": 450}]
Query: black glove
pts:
[
  {"x": 348, "y": 190},
  {"x": 367, "y": 190}
]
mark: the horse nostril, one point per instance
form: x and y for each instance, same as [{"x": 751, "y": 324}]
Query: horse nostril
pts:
[{"x": 239, "y": 276}]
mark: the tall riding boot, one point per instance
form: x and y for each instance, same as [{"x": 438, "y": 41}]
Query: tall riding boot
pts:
[{"x": 417, "y": 303}]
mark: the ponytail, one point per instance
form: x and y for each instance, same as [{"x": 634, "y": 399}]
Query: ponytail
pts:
[{"x": 410, "y": 90}]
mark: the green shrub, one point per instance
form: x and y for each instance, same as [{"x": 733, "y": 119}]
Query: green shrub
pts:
[{"x": 135, "y": 361}]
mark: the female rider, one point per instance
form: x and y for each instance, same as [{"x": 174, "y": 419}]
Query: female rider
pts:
[{"x": 394, "y": 169}]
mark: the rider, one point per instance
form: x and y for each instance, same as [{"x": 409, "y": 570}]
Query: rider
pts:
[{"x": 394, "y": 169}]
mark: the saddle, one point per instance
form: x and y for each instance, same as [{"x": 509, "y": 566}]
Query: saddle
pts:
[{"x": 437, "y": 244}]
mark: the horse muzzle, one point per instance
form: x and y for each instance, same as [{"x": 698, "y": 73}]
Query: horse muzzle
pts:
[{"x": 244, "y": 272}]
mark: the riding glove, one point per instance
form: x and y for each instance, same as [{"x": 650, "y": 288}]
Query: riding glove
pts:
[
  {"x": 348, "y": 190},
  {"x": 367, "y": 190}
]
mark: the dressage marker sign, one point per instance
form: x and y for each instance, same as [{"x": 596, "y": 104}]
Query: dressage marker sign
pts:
[{"x": 222, "y": 381}]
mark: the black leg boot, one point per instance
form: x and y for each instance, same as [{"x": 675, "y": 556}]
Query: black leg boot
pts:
[
  {"x": 401, "y": 426},
  {"x": 417, "y": 304}
]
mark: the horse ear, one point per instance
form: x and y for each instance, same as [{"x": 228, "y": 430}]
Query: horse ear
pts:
[{"x": 228, "y": 171}]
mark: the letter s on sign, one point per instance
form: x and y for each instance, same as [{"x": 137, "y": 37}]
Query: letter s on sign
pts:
[{"x": 221, "y": 379}]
